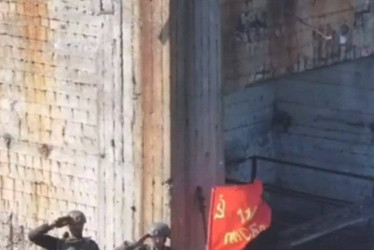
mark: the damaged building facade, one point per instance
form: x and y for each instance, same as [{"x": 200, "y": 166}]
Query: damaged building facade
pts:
[
  {"x": 123, "y": 108},
  {"x": 298, "y": 104}
]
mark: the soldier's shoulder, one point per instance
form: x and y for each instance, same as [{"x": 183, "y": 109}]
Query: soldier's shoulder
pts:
[{"x": 91, "y": 243}]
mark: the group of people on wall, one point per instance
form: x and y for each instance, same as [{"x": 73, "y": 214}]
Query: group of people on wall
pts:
[{"x": 74, "y": 240}]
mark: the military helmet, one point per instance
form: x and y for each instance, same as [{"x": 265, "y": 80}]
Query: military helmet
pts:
[
  {"x": 159, "y": 229},
  {"x": 77, "y": 217}
]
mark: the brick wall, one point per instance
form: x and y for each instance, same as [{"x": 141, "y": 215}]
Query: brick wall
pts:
[
  {"x": 62, "y": 124},
  {"x": 266, "y": 39}
]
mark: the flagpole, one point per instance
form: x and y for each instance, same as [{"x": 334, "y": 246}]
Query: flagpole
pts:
[{"x": 210, "y": 220}]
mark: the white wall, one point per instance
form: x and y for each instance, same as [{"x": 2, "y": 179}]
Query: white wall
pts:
[{"x": 67, "y": 116}]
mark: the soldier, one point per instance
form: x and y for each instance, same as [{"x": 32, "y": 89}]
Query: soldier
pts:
[
  {"x": 74, "y": 240},
  {"x": 158, "y": 234}
]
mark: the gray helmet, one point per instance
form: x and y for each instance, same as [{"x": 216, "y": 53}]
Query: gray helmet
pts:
[
  {"x": 77, "y": 217},
  {"x": 159, "y": 229}
]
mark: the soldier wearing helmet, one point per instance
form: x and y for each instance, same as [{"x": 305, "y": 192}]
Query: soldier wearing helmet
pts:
[
  {"x": 73, "y": 240},
  {"x": 158, "y": 234}
]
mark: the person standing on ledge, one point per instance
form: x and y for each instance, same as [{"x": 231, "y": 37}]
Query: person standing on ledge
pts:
[
  {"x": 73, "y": 240},
  {"x": 158, "y": 234}
]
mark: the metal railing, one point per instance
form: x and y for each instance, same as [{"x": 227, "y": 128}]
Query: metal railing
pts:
[{"x": 272, "y": 188}]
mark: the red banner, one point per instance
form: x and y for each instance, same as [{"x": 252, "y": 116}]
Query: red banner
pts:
[{"x": 237, "y": 216}]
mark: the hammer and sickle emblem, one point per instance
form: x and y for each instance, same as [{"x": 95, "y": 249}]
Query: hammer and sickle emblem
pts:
[{"x": 221, "y": 207}]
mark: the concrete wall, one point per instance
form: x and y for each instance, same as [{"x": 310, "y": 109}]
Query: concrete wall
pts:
[
  {"x": 322, "y": 117},
  {"x": 49, "y": 78},
  {"x": 331, "y": 126},
  {"x": 266, "y": 39},
  {"x": 71, "y": 126},
  {"x": 247, "y": 128},
  {"x": 96, "y": 99},
  {"x": 196, "y": 126}
]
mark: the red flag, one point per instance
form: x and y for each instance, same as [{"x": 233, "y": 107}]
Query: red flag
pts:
[{"x": 237, "y": 216}]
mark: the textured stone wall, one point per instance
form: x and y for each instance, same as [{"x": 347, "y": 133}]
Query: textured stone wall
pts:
[
  {"x": 68, "y": 96},
  {"x": 266, "y": 39},
  {"x": 48, "y": 112}
]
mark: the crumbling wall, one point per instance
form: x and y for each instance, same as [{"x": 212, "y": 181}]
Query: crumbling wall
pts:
[
  {"x": 66, "y": 102},
  {"x": 266, "y": 39}
]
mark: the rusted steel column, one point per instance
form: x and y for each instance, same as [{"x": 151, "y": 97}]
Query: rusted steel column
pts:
[
  {"x": 155, "y": 96},
  {"x": 197, "y": 149}
]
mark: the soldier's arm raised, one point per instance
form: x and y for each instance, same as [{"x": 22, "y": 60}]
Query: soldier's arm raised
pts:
[{"x": 39, "y": 237}]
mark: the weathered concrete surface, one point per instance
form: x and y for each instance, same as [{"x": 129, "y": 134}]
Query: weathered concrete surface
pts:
[
  {"x": 49, "y": 154},
  {"x": 329, "y": 124},
  {"x": 247, "y": 127},
  {"x": 197, "y": 156},
  {"x": 266, "y": 39},
  {"x": 332, "y": 123},
  {"x": 155, "y": 186},
  {"x": 71, "y": 119},
  {"x": 299, "y": 120}
]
